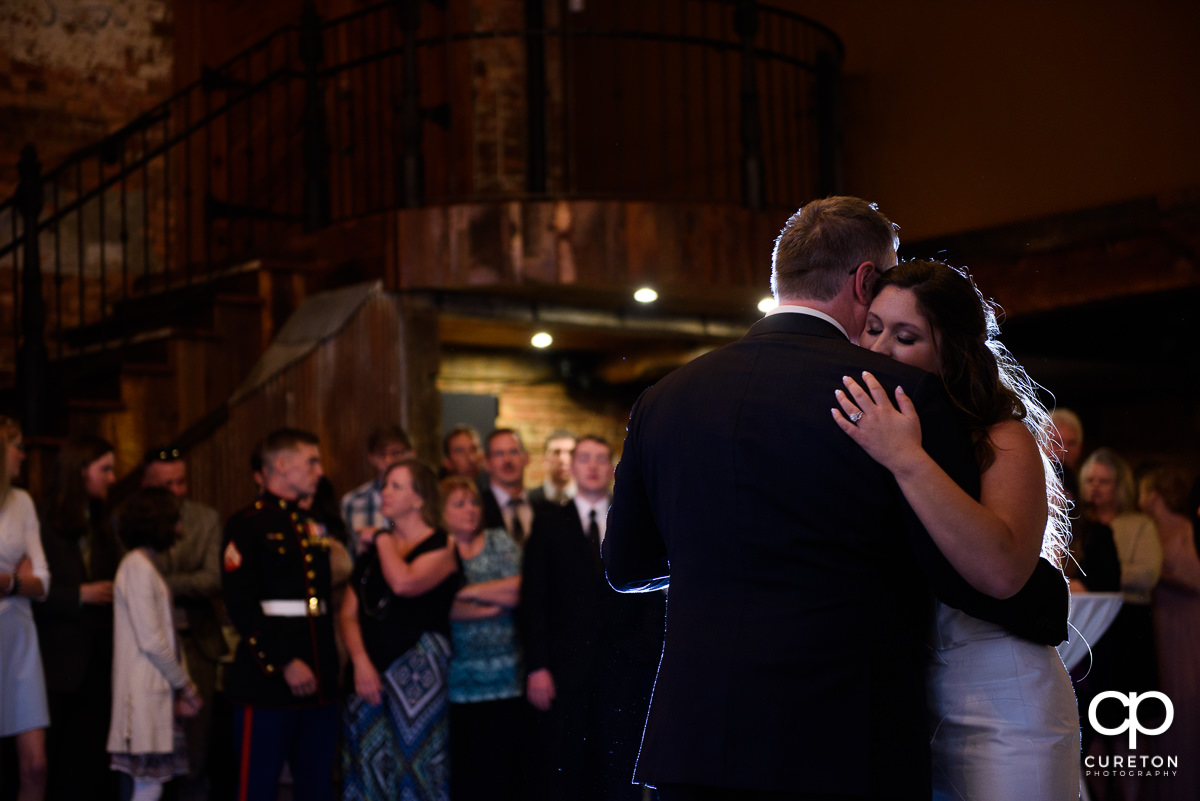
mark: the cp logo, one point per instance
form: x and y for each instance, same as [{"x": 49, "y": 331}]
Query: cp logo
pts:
[{"x": 1131, "y": 723}]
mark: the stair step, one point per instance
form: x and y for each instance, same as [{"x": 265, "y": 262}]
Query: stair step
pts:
[
  {"x": 235, "y": 299},
  {"x": 96, "y": 405},
  {"x": 147, "y": 368}
]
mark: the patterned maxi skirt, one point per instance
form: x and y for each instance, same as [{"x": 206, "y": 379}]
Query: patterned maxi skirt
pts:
[{"x": 399, "y": 749}]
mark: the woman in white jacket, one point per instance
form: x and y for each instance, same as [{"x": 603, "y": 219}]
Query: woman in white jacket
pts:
[{"x": 151, "y": 688}]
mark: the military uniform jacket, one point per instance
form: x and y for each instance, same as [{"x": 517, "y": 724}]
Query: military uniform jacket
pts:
[{"x": 275, "y": 552}]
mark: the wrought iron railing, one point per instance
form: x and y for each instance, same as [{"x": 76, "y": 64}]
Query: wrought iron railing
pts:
[{"x": 406, "y": 104}]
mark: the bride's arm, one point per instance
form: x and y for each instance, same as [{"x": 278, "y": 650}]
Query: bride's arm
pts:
[{"x": 993, "y": 543}]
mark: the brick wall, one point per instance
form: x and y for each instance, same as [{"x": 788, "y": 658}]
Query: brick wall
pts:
[
  {"x": 73, "y": 70},
  {"x": 534, "y": 400}
]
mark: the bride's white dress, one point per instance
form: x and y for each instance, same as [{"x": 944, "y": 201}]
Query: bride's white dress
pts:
[{"x": 1003, "y": 720}]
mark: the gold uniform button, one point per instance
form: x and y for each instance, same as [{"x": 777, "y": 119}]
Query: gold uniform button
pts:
[
  {"x": 270, "y": 668},
  {"x": 283, "y": 550},
  {"x": 311, "y": 574},
  {"x": 308, "y": 557},
  {"x": 295, "y": 516},
  {"x": 261, "y": 655}
]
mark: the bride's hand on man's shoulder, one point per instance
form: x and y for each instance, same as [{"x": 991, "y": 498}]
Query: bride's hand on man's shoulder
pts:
[{"x": 885, "y": 431}]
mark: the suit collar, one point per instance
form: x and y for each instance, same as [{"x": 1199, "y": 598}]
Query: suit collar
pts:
[{"x": 792, "y": 323}]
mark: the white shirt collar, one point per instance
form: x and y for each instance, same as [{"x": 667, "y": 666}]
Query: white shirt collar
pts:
[
  {"x": 791, "y": 308},
  {"x": 502, "y": 497},
  {"x": 585, "y": 507}
]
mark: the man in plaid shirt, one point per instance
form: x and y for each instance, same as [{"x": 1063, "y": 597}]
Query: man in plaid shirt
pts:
[{"x": 360, "y": 506}]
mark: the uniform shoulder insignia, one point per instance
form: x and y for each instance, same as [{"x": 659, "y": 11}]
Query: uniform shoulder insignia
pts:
[{"x": 233, "y": 557}]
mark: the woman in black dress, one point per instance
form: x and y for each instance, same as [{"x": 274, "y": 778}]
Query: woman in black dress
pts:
[
  {"x": 75, "y": 623},
  {"x": 396, "y": 625}
]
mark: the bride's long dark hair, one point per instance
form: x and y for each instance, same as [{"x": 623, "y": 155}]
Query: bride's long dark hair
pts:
[{"x": 982, "y": 378}]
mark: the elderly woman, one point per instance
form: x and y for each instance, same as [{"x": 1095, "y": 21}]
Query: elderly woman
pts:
[
  {"x": 23, "y": 575},
  {"x": 396, "y": 624},
  {"x": 485, "y": 672},
  {"x": 1109, "y": 497}
]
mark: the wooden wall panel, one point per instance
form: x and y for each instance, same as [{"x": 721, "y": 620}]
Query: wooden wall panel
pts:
[{"x": 358, "y": 380}]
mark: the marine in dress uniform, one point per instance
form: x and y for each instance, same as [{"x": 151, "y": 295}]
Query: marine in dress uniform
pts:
[{"x": 278, "y": 591}]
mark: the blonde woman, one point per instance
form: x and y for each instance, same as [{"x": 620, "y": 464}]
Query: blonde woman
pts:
[{"x": 23, "y": 575}]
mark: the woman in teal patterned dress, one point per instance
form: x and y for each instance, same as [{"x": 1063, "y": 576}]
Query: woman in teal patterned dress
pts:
[
  {"x": 486, "y": 699},
  {"x": 396, "y": 625}
]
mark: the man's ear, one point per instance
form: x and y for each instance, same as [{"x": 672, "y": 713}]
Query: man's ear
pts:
[{"x": 864, "y": 282}]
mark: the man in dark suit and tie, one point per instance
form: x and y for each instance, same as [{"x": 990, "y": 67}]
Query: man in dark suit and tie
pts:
[
  {"x": 590, "y": 653},
  {"x": 799, "y": 578},
  {"x": 505, "y": 503}
]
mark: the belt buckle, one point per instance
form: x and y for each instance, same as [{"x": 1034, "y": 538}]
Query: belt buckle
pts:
[{"x": 314, "y": 606}]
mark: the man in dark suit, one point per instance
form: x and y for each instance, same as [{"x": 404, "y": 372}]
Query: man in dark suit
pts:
[
  {"x": 793, "y": 663},
  {"x": 505, "y": 503},
  {"x": 558, "y": 487},
  {"x": 590, "y": 653}
]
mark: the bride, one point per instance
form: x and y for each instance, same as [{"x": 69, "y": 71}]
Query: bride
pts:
[{"x": 1003, "y": 719}]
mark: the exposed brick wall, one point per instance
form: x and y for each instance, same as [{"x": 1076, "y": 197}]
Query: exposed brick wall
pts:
[
  {"x": 498, "y": 73},
  {"x": 73, "y": 70},
  {"x": 534, "y": 400}
]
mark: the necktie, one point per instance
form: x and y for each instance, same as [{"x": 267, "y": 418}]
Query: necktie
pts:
[
  {"x": 516, "y": 528},
  {"x": 593, "y": 537}
]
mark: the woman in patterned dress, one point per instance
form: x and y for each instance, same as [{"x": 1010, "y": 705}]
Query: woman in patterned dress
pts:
[{"x": 396, "y": 625}]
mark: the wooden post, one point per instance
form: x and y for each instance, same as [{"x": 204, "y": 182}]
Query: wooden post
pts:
[
  {"x": 412, "y": 170},
  {"x": 746, "y": 26},
  {"x": 33, "y": 360},
  {"x": 316, "y": 140}
]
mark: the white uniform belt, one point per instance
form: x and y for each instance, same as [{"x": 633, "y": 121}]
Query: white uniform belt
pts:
[{"x": 293, "y": 607}]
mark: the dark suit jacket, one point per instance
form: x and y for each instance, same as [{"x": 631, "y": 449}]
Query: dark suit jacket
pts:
[
  {"x": 799, "y": 577},
  {"x": 492, "y": 516},
  {"x": 74, "y": 638},
  {"x": 571, "y": 619}
]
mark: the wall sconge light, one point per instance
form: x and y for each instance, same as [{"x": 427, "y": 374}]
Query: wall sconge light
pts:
[
  {"x": 645, "y": 295},
  {"x": 541, "y": 340},
  {"x": 766, "y": 304}
]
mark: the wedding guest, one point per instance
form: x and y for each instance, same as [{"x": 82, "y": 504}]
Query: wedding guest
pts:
[
  {"x": 1110, "y": 498},
  {"x": 24, "y": 575},
  {"x": 396, "y": 625},
  {"x": 151, "y": 688},
  {"x": 505, "y": 502},
  {"x": 361, "y": 505},
  {"x": 276, "y": 578},
  {"x": 486, "y": 702},
  {"x": 192, "y": 569},
  {"x": 75, "y": 622},
  {"x": 462, "y": 453},
  {"x": 558, "y": 486},
  {"x": 1163, "y": 496},
  {"x": 1068, "y": 448}
]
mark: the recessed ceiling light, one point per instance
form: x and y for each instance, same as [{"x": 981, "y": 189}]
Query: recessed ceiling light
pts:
[
  {"x": 541, "y": 340},
  {"x": 645, "y": 295},
  {"x": 766, "y": 304}
]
